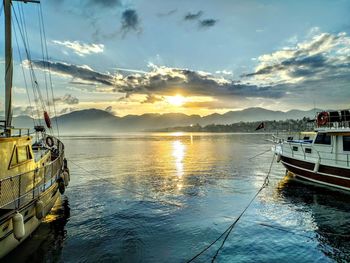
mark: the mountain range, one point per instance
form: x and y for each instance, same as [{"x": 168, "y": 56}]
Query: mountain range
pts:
[{"x": 92, "y": 121}]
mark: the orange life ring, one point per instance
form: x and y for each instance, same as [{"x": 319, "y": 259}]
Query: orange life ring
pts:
[
  {"x": 47, "y": 119},
  {"x": 322, "y": 118}
]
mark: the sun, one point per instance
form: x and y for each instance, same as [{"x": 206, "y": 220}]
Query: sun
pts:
[{"x": 177, "y": 100}]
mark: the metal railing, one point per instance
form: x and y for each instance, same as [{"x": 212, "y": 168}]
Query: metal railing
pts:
[
  {"x": 13, "y": 132},
  {"x": 20, "y": 189},
  {"x": 324, "y": 157}
]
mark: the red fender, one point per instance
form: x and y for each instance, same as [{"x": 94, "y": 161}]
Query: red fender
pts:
[{"x": 47, "y": 120}]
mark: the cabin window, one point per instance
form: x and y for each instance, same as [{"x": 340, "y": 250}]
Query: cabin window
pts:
[
  {"x": 308, "y": 150},
  {"x": 20, "y": 155},
  {"x": 346, "y": 143},
  {"x": 323, "y": 138}
]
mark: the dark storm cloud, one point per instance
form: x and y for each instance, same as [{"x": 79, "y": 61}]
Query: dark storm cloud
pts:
[
  {"x": 130, "y": 21},
  {"x": 193, "y": 16},
  {"x": 207, "y": 23}
]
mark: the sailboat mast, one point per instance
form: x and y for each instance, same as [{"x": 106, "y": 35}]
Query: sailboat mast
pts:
[{"x": 8, "y": 63}]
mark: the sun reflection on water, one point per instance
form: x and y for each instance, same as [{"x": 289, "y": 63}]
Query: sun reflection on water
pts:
[{"x": 178, "y": 153}]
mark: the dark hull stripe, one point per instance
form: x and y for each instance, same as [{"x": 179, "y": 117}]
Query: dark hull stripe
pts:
[
  {"x": 343, "y": 172},
  {"x": 334, "y": 181}
]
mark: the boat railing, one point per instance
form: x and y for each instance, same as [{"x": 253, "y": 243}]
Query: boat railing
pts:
[
  {"x": 308, "y": 150},
  {"x": 13, "y": 132},
  {"x": 21, "y": 189},
  {"x": 335, "y": 119}
]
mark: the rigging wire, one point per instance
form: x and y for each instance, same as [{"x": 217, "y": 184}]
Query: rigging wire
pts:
[
  {"x": 24, "y": 75},
  {"x": 43, "y": 58},
  {"x": 21, "y": 28},
  {"x": 36, "y": 88},
  {"x": 49, "y": 69},
  {"x": 1, "y": 8},
  {"x": 228, "y": 230},
  {"x": 124, "y": 188}
]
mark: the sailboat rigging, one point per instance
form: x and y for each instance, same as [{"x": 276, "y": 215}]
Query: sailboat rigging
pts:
[{"x": 33, "y": 170}]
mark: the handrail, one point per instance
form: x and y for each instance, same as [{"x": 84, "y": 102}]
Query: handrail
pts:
[
  {"x": 13, "y": 190},
  {"x": 320, "y": 154}
]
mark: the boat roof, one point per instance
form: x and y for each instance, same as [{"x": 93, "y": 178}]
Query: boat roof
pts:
[{"x": 334, "y": 131}]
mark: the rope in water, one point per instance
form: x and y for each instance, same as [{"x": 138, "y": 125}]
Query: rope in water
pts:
[
  {"x": 230, "y": 228},
  {"x": 124, "y": 188}
]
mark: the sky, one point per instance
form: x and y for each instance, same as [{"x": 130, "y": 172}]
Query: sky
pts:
[{"x": 189, "y": 56}]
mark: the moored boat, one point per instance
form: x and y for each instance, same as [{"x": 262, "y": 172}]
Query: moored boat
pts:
[
  {"x": 33, "y": 170},
  {"x": 323, "y": 158}
]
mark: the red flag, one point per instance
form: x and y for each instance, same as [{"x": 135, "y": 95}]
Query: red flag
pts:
[{"x": 261, "y": 126}]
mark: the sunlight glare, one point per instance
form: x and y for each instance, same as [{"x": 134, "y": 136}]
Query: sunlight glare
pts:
[
  {"x": 179, "y": 152},
  {"x": 177, "y": 100}
]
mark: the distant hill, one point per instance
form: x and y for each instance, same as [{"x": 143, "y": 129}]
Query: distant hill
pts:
[{"x": 98, "y": 121}]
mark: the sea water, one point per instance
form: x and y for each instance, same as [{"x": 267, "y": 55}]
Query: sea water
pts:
[{"x": 162, "y": 197}]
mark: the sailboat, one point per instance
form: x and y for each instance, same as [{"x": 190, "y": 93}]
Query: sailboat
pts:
[{"x": 33, "y": 170}]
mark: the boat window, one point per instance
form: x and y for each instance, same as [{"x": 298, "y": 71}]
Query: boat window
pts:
[
  {"x": 308, "y": 150},
  {"x": 323, "y": 138},
  {"x": 346, "y": 143},
  {"x": 20, "y": 155},
  {"x": 14, "y": 157}
]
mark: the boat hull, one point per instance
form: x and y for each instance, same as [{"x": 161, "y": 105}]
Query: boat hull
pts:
[
  {"x": 326, "y": 175},
  {"x": 7, "y": 239}
]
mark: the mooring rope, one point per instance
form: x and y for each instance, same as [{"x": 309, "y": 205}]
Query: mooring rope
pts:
[
  {"x": 124, "y": 188},
  {"x": 259, "y": 154},
  {"x": 230, "y": 228}
]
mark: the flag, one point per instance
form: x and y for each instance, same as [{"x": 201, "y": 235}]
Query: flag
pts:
[{"x": 261, "y": 126}]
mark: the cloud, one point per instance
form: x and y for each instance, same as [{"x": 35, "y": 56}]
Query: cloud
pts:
[
  {"x": 20, "y": 110},
  {"x": 161, "y": 81},
  {"x": 215, "y": 105},
  {"x": 80, "y": 48},
  {"x": 152, "y": 99},
  {"x": 66, "y": 110},
  {"x": 207, "y": 23},
  {"x": 193, "y": 16},
  {"x": 19, "y": 90},
  {"x": 83, "y": 73},
  {"x": 67, "y": 99},
  {"x": 105, "y": 3},
  {"x": 109, "y": 108},
  {"x": 323, "y": 56},
  {"x": 169, "y": 13},
  {"x": 130, "y": 21}
]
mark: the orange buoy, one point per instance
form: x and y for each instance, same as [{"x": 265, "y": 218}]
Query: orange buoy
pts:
[{"x": 47, "y": 119}]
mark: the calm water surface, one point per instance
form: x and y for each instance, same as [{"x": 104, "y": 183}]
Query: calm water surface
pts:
[{"x": 116, "y": 213}]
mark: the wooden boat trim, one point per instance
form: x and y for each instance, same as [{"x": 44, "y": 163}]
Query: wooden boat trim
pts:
[{"x": 307, "y": 170}]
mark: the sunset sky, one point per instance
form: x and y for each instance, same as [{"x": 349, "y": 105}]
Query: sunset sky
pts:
[{"x": 194, "y": 57}]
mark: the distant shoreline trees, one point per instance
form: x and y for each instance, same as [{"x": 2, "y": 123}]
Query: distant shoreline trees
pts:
[{"x": 305, "y": 124}]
